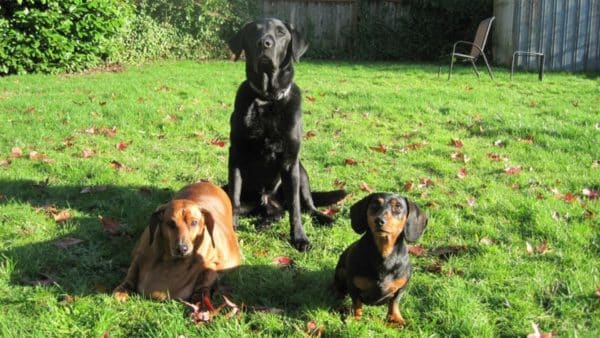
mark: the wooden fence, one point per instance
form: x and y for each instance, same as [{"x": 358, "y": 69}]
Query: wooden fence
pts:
[{"x": 330, "y": 26}]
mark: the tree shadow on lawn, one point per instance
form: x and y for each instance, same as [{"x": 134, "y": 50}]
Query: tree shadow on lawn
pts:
[
  {"x": 99, "y": 262},
  {"x": 92, "y": 265}
]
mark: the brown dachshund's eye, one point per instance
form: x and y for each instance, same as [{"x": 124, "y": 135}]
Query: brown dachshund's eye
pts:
[{"x": 194, "y": 223}]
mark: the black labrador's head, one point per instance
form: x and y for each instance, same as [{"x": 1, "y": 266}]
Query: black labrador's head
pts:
[
  {"x": 387, "y": 217},
  {"x": 270, "y": 44}
]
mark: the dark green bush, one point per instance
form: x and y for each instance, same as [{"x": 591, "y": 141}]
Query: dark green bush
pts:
[{"x": 57, "y": 35}]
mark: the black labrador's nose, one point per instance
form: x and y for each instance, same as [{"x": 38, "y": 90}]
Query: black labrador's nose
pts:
[{"x": 266, "y": 42}]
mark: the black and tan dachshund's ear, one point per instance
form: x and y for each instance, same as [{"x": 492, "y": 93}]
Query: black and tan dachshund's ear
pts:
[
  {"x": 415, "y": 222},
  {"x": 298, "y": 44},
  {"x": 209, "y": 223},
  {"x": 155, "y": 220},
  {"x": 358, "y": 214},
  {"x": 236, "y": 43}
]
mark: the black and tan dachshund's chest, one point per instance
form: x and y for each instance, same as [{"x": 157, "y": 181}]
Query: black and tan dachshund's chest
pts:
[{"x": 378, "y": 286}]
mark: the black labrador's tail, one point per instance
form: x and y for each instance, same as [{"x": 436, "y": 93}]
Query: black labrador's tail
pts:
[{"x": 324, "y": 198}]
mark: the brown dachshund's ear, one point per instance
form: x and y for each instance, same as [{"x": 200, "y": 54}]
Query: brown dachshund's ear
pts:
[
  {"x": 298, "y": 44},
  {"x": 209, "y": 223},
  {"x": 415, "y": 222},
  {"x": 155, "y": 220},
  {"x": 358, "y": 214},
  {"x": 236, "y": 43}
]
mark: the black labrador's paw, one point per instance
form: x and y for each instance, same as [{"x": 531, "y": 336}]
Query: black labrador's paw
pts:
[{"x": 301, "y": 244}]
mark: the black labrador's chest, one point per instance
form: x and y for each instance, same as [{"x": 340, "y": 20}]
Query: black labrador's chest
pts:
[{"x": 266, "y": 129}]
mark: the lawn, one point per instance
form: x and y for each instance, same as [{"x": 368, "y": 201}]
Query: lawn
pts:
[{"x": 508, "y": 172}]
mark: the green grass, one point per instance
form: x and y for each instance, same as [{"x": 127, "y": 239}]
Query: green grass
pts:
[{"x": 170, "y": 112}]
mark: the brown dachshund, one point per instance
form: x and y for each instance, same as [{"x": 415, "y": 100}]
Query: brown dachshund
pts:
[
  {"x": 375, "y": 269},
  {"x": 190, "y": 240}
]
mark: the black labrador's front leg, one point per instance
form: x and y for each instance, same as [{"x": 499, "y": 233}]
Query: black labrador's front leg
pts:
[{"x": 291, "y": 187}]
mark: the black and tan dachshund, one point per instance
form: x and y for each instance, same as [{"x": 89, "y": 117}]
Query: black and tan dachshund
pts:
[
  {"x": 376, "y": 269},
  {"x": 265, "y": 174}
]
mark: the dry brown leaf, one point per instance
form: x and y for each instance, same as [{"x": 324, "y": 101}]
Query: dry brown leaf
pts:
[
  {"x": 538, "y": 334},
  {"x": 462, "y": 173},
  {"x": 365, "y": 187},
  {"x": 590, "y": 193},
  {"x": 310, "y": 134},
  {"x": 217, "y": 142},
  {"x": 350, "y": 161},
  {"x": 513, "y": 170},
  {"x": 62, "y": 216},
  {"x": 416, "y": 250},
  {"x": 381, "y": 148},
  {"x": 67, "y": 242},
  {"x": 486, "y": 241},
  {"x": 283, "y": 262},
  {"x": 122, "y": 145},
  {"x": 110, "y": 225},
  {"x": 457, "y": 143},
  {"x": 425, "y": 182},
  {"x": 528, "y": 248},
  {"x": 408, "y": 186},
  {"x": 444, "y": 252},
  {"x": 5, "y": 163}
]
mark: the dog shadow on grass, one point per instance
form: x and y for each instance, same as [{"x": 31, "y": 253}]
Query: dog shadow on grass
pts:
[{"x": 79, "y": 257}]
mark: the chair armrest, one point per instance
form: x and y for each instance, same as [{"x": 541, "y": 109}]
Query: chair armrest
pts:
[{"x": 465, "y": 43}]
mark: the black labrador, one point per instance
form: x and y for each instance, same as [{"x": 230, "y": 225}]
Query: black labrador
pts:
[{"x": 265, "y": 174}]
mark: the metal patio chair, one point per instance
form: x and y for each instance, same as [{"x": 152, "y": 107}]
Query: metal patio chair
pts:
[{"x": 477, "y": 48}]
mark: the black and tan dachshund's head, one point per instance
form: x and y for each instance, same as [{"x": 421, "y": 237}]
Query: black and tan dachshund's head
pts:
[
  {"x": 269, "y": 44},
  {"x": 177, "y": 225},
  {"x": 389, "y": 218}
]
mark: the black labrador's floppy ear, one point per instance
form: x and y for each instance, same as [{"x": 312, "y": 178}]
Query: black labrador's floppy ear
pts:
[
  {"x": 236, "y": 43},
  {"x": 358, "y": 214},
  {"x": 155, "y": 220},
  {"x": 415, "y": 222},
  {"x": 298, "y": 44}
]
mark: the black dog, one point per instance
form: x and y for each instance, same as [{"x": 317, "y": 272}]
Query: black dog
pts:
[
  {"x": 375, "y": 269},
  {"x": 265, "y": 174}
]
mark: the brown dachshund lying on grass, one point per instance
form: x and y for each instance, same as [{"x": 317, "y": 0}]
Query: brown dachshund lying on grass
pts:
[
  {"x": 375, "y": 269},
  {"x": 189, "y": 241}
]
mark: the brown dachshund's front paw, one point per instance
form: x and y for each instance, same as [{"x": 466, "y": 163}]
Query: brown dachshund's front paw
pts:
[{"x": 120, "y": 293}]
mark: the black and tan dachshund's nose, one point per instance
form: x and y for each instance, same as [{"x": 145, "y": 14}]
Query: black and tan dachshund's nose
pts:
[{"x": 379, "y": 221}]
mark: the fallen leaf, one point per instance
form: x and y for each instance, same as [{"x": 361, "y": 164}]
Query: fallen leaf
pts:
[
  {"x": 496, "y": 157},
  {"x": 67, "y": 242},
  {"x": 110, "y": 225},
  {"x": 425, "y": 182},
  {"x": 339, "y": 184},
  {"x": 458, "y": 156},
  {"x": 34, "y": 155},
  {"x": 331, "y": 211},
  {"x": 538, "y": 334},
  {"x": 499, "y": 143},
  {"x": 110, "y": 132},
  {"x": 310, "y": 134},
  {"x": 462, "y": 173},
  {"x": 570, "y": 198},
  {"x": 381, "y": 148},
  {"x": 5, "y": 163},
  {"x": 350, "y": 161},
  {"x": 86, "y": 153},
  {"x": 575, "y": 103},
  {"x": 68, "y": 142},
  {"x": 597, "y": 293},
  {"x": 596, "y": 164},
  {"x": 30, "y": 110},
  {"x": 513, "y": 170},
  {"x": 314, "y": 330},
  {"x": 97, "y": 188},
  {"x": 444, "y": 252},
  {"x": 217, "y": 142},
  {"x": 123, "y": 145},
  {"x": 416, "y": 250},
  {"x": 532, "y": 104},
  {"x": 273, "y": 310},
  {"x": 283, "y": 262},
  {"x": 527, "y": 140},
  {"x": 486, "y": 241},
  {"x": 116, "y": 165},
  {"x": 591, "y": 194},
  {"x": 556, "y": 215},
  {"x": 457, "y": 143},
  {"x": 163, "y": 88},
  {"x": 310, "y": 98},
  {"x": 365, "y": 187},
  {"x": 529, "y": 248},
  {"x": 62, "y": 216},
  {"x": 91, "y": 130},
  {"x": 471, "y": 201},
  {"x": 172, "y": 117},
  {"x": 408, "y": 186},
  {"x": 542, "y": 248}
]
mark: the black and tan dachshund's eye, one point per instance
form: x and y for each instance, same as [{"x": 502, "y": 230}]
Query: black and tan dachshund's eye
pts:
[{"x": 194, "y": 223}]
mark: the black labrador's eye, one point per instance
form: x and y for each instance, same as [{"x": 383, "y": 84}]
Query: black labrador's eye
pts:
[
  {"x": 172, "y": 224},
  {"x": 280, "y": 31},
  {"x": 194, "y": 223}
]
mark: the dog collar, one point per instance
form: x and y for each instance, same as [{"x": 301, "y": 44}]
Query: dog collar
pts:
[{"x": 279, "y": 95}]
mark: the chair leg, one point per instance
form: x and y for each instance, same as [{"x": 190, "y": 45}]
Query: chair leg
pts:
[
  {"x": 474, "y": 68},
  {"x": 541, "y": 75},
  {"x": 512, "y": 65},
  {"x": 451, "y": 66},
  {"x": 488, "y": 66}
]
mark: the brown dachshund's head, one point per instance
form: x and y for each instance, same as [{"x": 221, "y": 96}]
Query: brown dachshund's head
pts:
[
  {"x": 388, "y": 216},
  {"x": 179, "y": 224}
]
